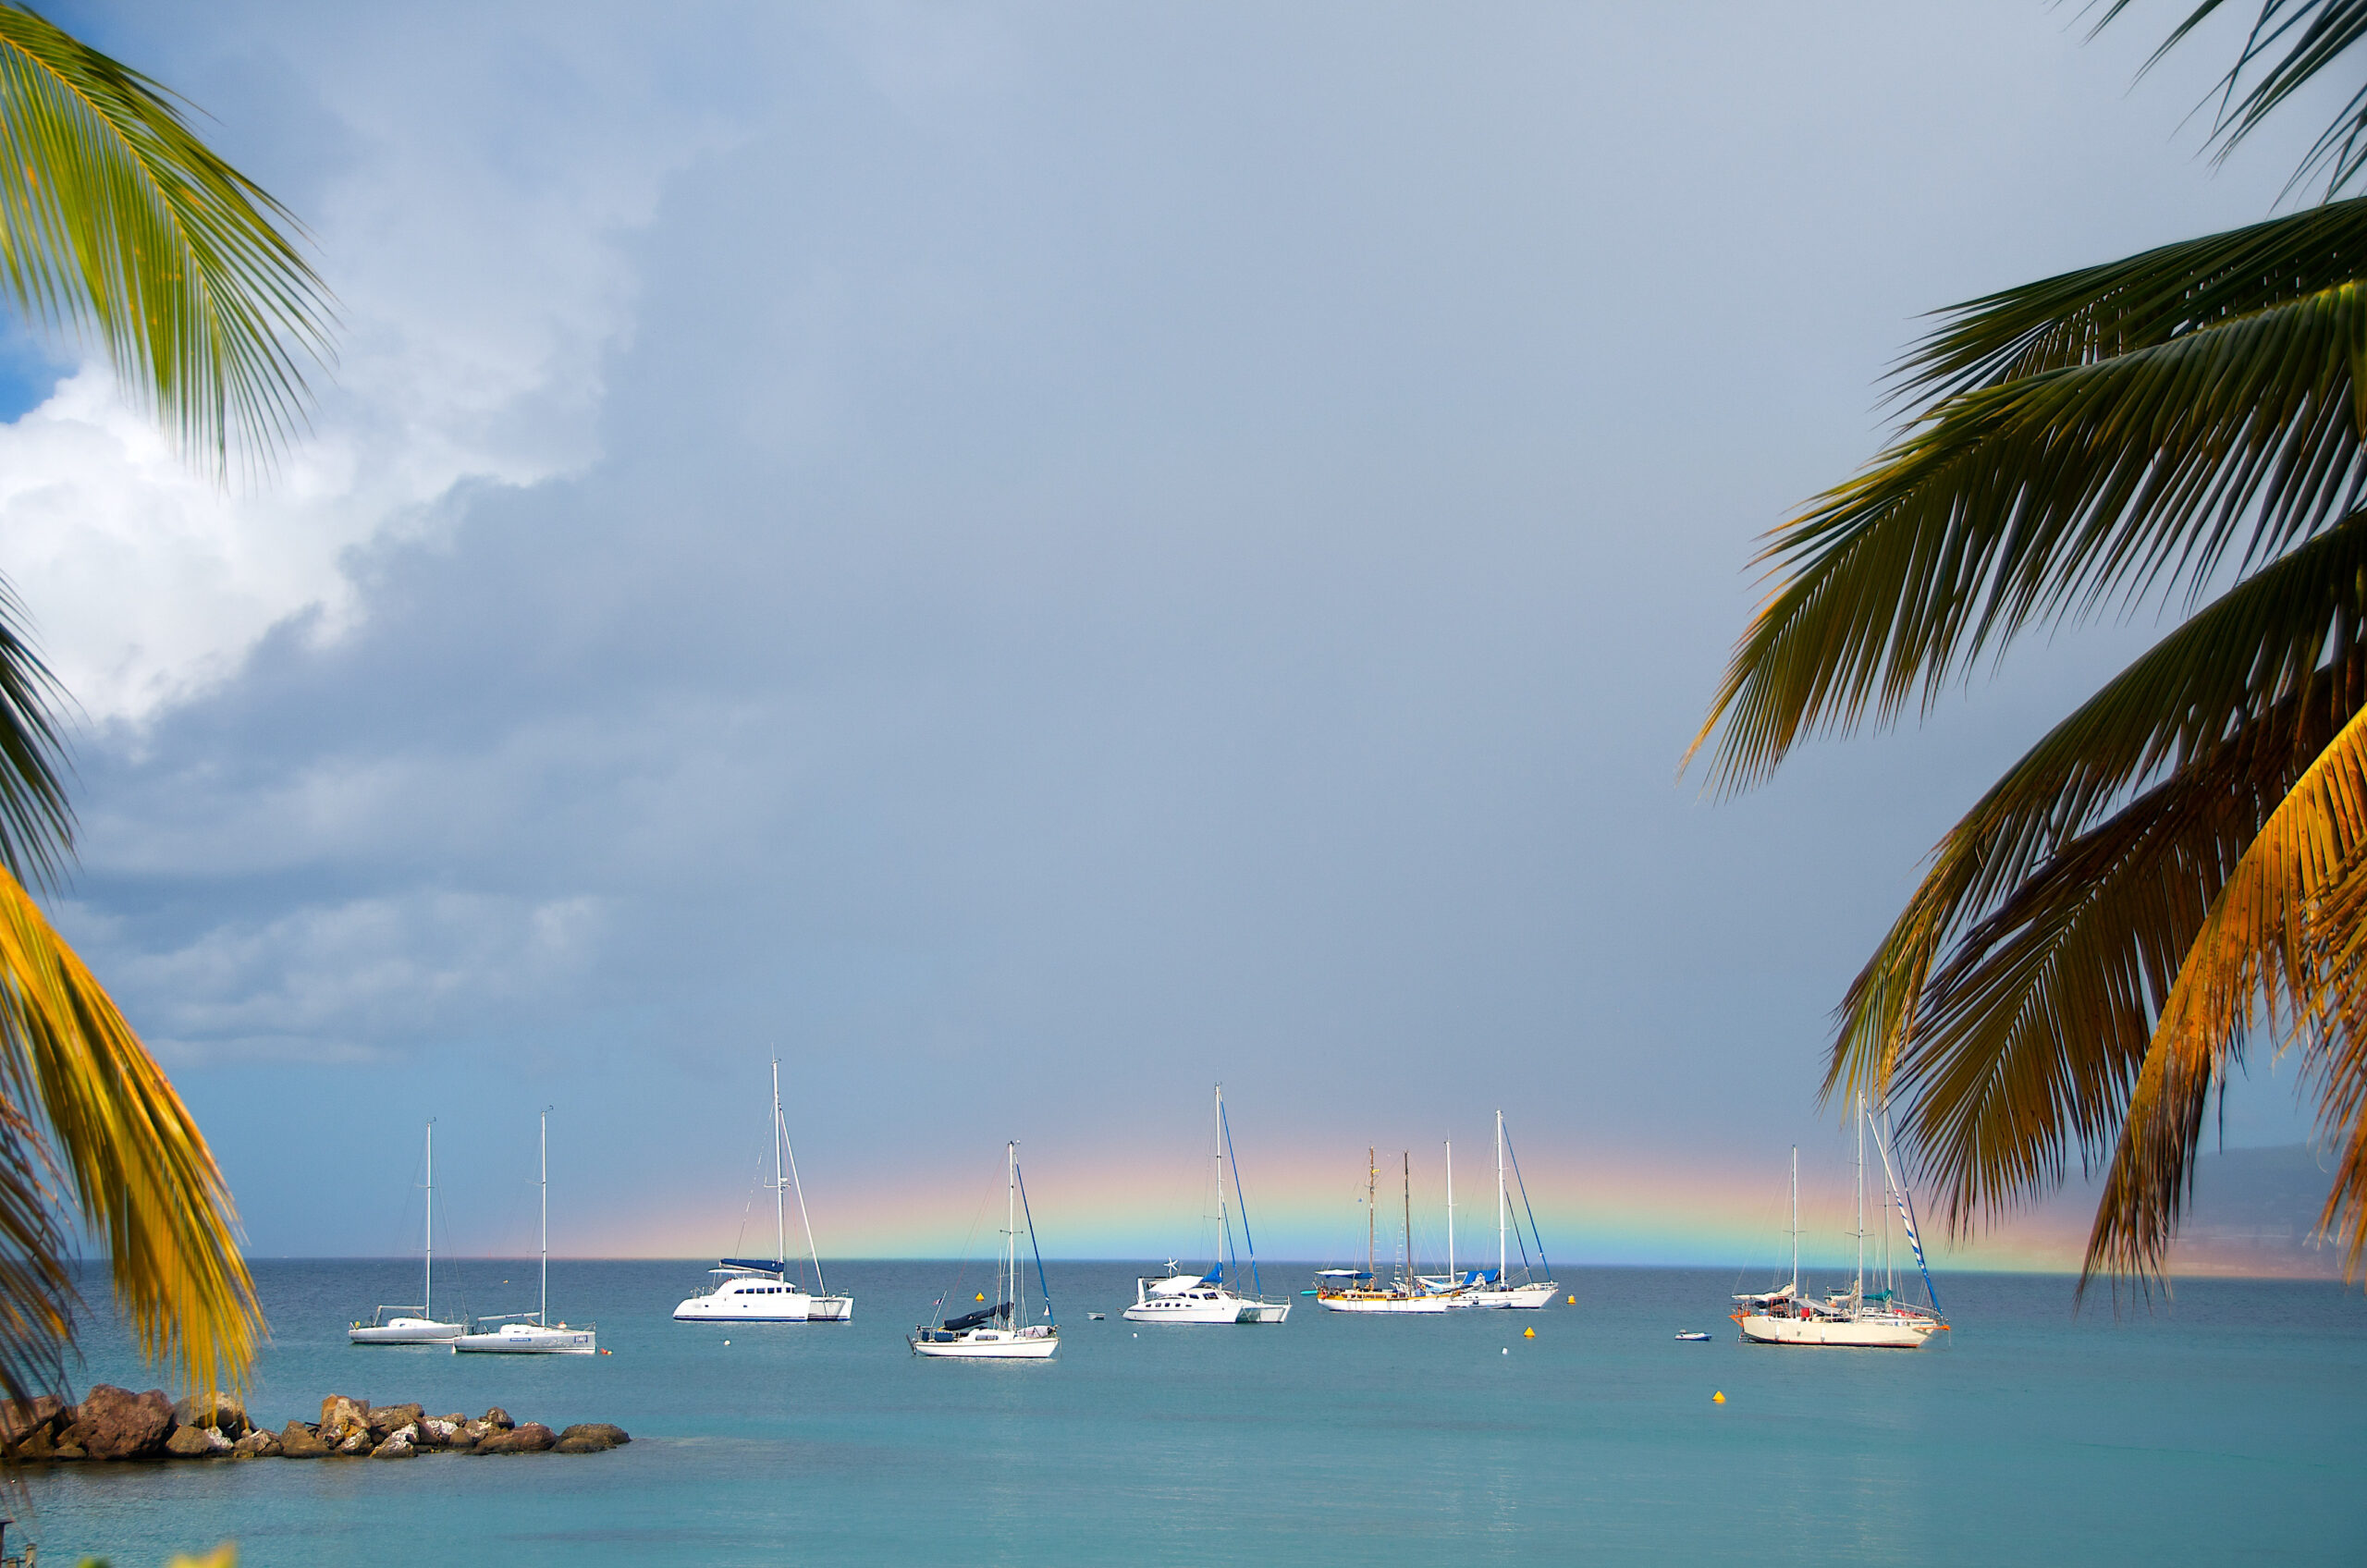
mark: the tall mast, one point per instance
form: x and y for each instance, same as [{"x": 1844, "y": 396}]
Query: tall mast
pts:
[
  {"x": 780, "y": 1218},
  {"x": 1796, "y": 1219},
  {"x": 1859, "y": 1288},
  {"x": 1500, "y": 1264},
  {"x": 543, "y": 1220},
  {"x": 1372, "y": 1180},
  {"x": 1450, "y": 1208},
  {"x": 428, "y": 1309},
  {"x": 1216, "y": 1157},
  {"x": 1010, "y": 1235},
  {"x": 1406, "y": 1156}
]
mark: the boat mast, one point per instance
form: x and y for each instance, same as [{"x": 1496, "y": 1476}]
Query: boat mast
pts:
[
  {"x": 780, "y": 1218},
  {"x": 428, "y": 1309},
  {"x": 1372, "y": 1179},
  {"x": 543, "y": 1218},
  {"x": 1216, "y": 1157},
  {"x": 1796, "y": 1219},
  {"x": 1859, "y": 1289},
  {"x": 1449, "y": 1208},
  {"x": 1406, "y": 1156},
  {"x": 1010, "y": 1237},
  {"x": 1500, "y": 1264}
]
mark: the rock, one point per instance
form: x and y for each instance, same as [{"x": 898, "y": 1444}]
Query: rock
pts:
[
  {"x": 435, "y": 1432},
  {"x": 218, "y": 1412},
  {"x": 19, "y": 1419},
  {"x": 475, "y": 1431},
  {"x": 196, "y": 1443},
  {"x": 499, "y": 1419},
  {"x": 600, "y": 1432},
  {"x": 386, "y": 1418},
  {"x": 42, "y": 1444},
  {"x": 531, "y": 1438},
  {"x": 340, "y": 1418},
  {"x": 399, "y": 1444},
  {"x": 113, "y": 1423},
  {"x": 299, "y": 1441},
  {"x": 357, "y": 1439},
  {"x": 69, "y": 1453},
  {"x": 258, "y": 1444}
]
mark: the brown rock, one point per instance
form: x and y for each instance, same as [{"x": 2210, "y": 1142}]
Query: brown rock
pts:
[
  {"x": 357, "y": 1439},
  {"x": 114, "y": 1423},
  {"x": 341, "y": 1416},
  {"x": 398, "y": 1445},
  {"x": 218, "y": 1412},
  {"x": 435, "y": 1432},
  {"x": 21, "y": 1419},
  {"x": 257, "y": 1444},
  {"x": 601, "y": 1432},
  {"x": 386, "y": 1418},
  {"x": 40, "y": 1443},
  {"x": 531, "y": 1438},
  {"x": 474, "y": 1431},
  {"x": 69, "y": 1453},
  {"x": 299, "y": 1441},
  {"x": 499, "y": 1419},
  {"x": 196, "y": 1443}
]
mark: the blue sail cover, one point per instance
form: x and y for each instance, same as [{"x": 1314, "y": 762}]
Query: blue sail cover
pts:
[
  {"x": 1214, "y": 1276},
  {"x": 759, "y": 1265},
  {"x": 972, "y": 1319}
]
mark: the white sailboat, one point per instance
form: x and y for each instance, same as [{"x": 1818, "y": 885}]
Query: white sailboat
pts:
[
  {"x": 1348, "y": 1290},
  {"x": 413, "y": 1325},
  {"x": 1502, "y": 1290},
  {"x": 1000, "y": 1333},
  {"x": 524, "y": 1333},
  {"x": 1207, "y": 1298},
  {"x": 760, "y": 1291},
  {"x": 1854, "y": 1318}
]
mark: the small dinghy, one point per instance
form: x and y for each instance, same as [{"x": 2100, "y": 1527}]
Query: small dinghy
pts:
[{"x": 1693, "y": 1336}]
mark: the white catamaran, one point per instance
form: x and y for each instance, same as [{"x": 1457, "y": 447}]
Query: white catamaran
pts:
[
  {"x": 1854, "y": 1318},
  {"x": 1349, "y": 1290},
  {"x": 1000, "y": 1333},
  {"x": 533, "y": 1333},
  {"x": 1206, "y": 1298},
  {"x": 760, "y": 1291},
  {"x": 413, "y": 1325}
]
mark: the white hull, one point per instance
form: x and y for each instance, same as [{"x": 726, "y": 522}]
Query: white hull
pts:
[
  {"x": 1864, "y": 1333},
  {"x": 528, "y": 1339},
  {"x": 1387, "y": 1303},
  {"x": 796, "y": 1307},
  {"x": 1533, "y": 1295},
  {"x": 990, "y": 1344},
  {"x": 406, "y": 1331},
  {"x": 1225, "y": 1307}
]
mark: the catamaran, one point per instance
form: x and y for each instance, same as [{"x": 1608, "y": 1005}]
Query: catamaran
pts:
[
  {"x": 759, "y": 1290},
  {"x": 413, "y": 1325},
  {"x": 1001, "y": 1332},
  {"x": 1854, "y": 1318},
  {"x": 533, "y": 1333},
  {"x": 1349, "y": 1290},
  {"x": 1206, "y": 1298}
]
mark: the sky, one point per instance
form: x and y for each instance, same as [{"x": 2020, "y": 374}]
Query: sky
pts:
[{"x": 1031, "y": 559}]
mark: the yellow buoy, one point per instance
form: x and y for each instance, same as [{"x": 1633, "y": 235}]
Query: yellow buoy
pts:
[
  {"x": 1718, "y": 1398},
  {"x": 1529, "y": 1333},
  {"x": 981, "y": 1296},
  {"x": 1573, "y": 1301}
]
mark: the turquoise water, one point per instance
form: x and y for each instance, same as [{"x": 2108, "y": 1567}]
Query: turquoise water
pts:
[{"x": 2231, "y": 1427}]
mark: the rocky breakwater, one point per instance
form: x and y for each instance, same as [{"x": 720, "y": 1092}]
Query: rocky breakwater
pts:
[{"x": 115, "y": 1423}]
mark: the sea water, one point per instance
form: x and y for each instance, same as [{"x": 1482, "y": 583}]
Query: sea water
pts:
[{"x": 2228, "y": 1425}]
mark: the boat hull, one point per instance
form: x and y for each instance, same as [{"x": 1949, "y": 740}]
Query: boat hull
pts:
[
  {"x": 766, "y": 1309},
  {"x": 986, "y": 1344},
  {"x": 1385, "y": 1304},
  {"x": 527, "y": 1340},
  {"x": 1521, "y": 1297},
  {"x": 1835, "y": 1332},
  {"x": 1225, "y": 1309},
  {"x": 406, "y": 1331}
]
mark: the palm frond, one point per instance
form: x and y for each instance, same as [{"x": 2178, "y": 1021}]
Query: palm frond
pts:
[
  {"x": 2312, "y": 34},
  {"x": 36, "y": 823},
  {"x": 114, "y": 217},
  {"x": 2260, "y": 959},
  {"x": 2043, "y": 498},
  {"x": 137, "y": 1167}
]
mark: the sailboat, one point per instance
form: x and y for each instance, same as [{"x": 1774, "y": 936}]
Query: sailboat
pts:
[
  {"x": 1001, "y": 1332},
  {"x": 413, "y": 1325},
  {"x": 1502, "y": 1290},
  {"x": 759, "y": 1291},
  {"x": 1854, "y": 1318},
  {"x": 533, "y": 1333},
  {"x": 1347, "y": 1290},
  {"x": 1206, "y": 1298}
]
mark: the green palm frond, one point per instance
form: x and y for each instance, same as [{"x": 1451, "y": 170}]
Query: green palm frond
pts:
[
  {"x": 2312, "y": 36},
  {"x": 36, "y": 823},
  {"x": 2041, "y": 497},
  {"x": 114, "y": 217}
]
